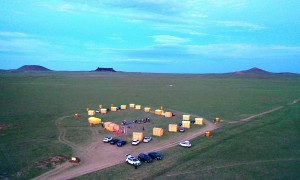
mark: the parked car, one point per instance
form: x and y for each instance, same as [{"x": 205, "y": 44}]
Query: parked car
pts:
[
  {"x": 132, "y": 160},
  {"x": 114, "y": 141},
  {"x": 185, "y": 144},
  {"x": 181, "y": 129},
  {"x": 155, "y": 155},
  {"x": 98, "y": 111},
  {"x": 147, "y": 139},
  {"x": 135, "y": 142},
  {"x": 107, "y": 139},
  {"x": 74, "y": 160},
  {"x": 120, "y": 143},
  {"x": 145, "y": 157}
]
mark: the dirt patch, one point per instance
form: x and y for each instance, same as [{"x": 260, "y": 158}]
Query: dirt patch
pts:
[{"x": 51, "y": 162}]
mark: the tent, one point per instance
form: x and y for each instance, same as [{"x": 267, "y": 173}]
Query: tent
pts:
[
  {"x": 168, "y": 114},
  {"x": 94, "y": 121},
  {"x": 76, "y": 115},
  {"x": 186, "y": 124},
  {"x": 111, "y": 126},
  {"x": 138, "y": 136},
  {"x": 186, "y": 117},
  {"x": 199, "y": 121},
  {"x": 207, "y": 133},
  {"x": 147, "y": 109},
  {"x": 132, "y": 105},
  {"x": 173, "y": 127},
  {"x": 91, "y": 112},
  {"x": 158, "y": 131}
]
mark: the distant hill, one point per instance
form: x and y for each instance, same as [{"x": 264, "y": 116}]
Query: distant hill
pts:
[
  {"x": 105, "y": 70},
  {"x": 254, "y": 70},
  {"x": 32, "y": 68}
]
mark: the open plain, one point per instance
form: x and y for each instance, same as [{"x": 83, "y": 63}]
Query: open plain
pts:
[{"x": 257, "y": 137}]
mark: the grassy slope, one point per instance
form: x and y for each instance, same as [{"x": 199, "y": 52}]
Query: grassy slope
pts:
[{"x": 33, "y": 101}]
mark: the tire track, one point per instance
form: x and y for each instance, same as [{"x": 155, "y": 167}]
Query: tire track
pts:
[{"x": 62, "y": 133}]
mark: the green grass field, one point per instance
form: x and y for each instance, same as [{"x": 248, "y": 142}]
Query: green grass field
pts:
[{"x": 266, "y": 147}]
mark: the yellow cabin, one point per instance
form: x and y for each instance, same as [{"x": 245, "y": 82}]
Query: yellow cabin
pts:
[
  {"x": 186, "y": 117},
  {"x": 91, "y": 112},
  {"x": 138, "y": 107},
  {"x": 138, "y": 136},
  {"x": 132, "y": 105},
  {"x": 123, "y": 107},
  {"x": 199, "y": 121},
  {"x": 173, "y": 127},
  {"x": 186, "y": 124},
  {"x": 158, "y": 112},
  {"x": 168, "y": 114},
  {"x": 158, "y": 131},
  {"x": 113, "y": 109},
  {"x": 103, "y": 111},
  {"x": 147, "y": 109}
]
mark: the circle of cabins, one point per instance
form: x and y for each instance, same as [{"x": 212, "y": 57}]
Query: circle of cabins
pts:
[{"x": 157, "y": 131}]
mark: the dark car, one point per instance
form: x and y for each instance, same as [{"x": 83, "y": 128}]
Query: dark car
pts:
[
  {"x": 120, "y": 143},
  {"x": 114, "y": 141},
  {"x": 155, "y": 155},
  {"x": 144, "y": 157},
  {"x": 181, "y": 129}
]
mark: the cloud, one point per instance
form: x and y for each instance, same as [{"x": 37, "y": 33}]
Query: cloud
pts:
[
  {"x": 169, "y": 39},
  {"x": 65, "y": 8},
  {"x": 13, "y": 34},
  {"x": 241, "y": 24},
  {"x": 20, "y": 45}
]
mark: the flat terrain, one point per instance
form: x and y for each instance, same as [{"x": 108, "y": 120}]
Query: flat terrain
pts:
[{"x": 36, "y": 109}]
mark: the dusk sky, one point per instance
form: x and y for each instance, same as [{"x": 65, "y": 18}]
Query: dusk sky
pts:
[{"x": 169, "y": 36}]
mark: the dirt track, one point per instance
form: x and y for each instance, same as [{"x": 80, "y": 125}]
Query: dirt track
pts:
[{"x": 97, "y": 156}]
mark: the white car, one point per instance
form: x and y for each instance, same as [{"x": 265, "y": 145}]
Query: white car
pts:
[
  {"x": 107, "y": 139},
  {"x": 185, "y": 144},
  {"x": 135, "y": 142},
  {"x": 147, "y": 139},
  {"x": 132, "y": 160}
]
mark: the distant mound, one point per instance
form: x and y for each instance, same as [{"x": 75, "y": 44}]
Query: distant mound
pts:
[
  {"x": 253, "y": 71},
  {"x": 32, "y": 68},
  {"x": 105, "y": 70}
]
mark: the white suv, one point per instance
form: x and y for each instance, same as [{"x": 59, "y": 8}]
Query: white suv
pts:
[
  {"x": 107, "y": 139},
  {"x": 147, "y": 139},
  {"x": 135, "y": 142},
  {"x": 132, "y": 160}
]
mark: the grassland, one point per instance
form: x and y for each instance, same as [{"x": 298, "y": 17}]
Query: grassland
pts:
[{"x": 32, "y": 102}]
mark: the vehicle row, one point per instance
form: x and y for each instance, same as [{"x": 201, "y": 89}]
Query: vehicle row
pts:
[
  {"x": 113, "y": 141},
  {"x": 148, "y": 158},
  {"x": 119, "y": 142}
]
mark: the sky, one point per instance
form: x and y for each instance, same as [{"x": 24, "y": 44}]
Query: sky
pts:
[{"x": 159, "y": 36}]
